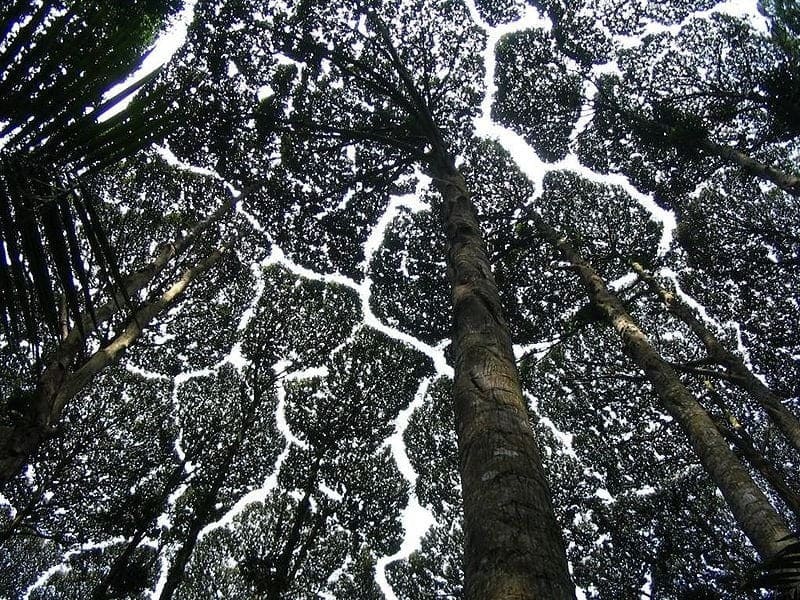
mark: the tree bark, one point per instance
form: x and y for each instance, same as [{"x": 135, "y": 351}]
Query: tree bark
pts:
[
  {"x": 513, "y": 544},
  {"x": 57, "y": 385},
  {"x": 785, "y": 181},
  {"x": 760, "y": 522},
  {"x": 742, "y": 442},
  {"x": 741, "y": 375}
]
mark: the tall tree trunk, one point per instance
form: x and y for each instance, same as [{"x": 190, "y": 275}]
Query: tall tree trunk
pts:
[
  {"x": 287, "y": 561},
  {"x": 119, "y": 565},
  {"x": 513, "y": 544},
  {"x": 202, "y": 515},
  {"x": 514, "y": 548},
  {"x": 741, "y": 375},
  {"x": 206, "y": 511},
  {"x": 757, "y": 518},
  {"x": 181, "y": 560},
  {"x": 744, "y": 445}
]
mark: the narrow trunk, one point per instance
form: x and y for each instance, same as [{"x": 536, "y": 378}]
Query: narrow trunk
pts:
[
  {"x": 21, "y": 515},
  {"x": 118, "y": 567},
  {"x": 513, "y": 544},
  {"x": 150, "y": 513},
  {"x": 57, "y": 385},
  {"x": 181, "y": 560},
  {"x": 741, "y": 376},
  {"x": 284, "y": 570},
  {"x": 785, "y": 181},
  {"x": 207, "y": 510},
  {"x": 744, "y": 445},
  {"x": 177, "y": 569},
  {"x": 751, "y": 508}
]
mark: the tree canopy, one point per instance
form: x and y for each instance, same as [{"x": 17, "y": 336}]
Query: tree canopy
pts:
[{"x": 411, "y": 299}]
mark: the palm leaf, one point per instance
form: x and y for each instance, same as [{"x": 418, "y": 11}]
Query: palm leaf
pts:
[
  {"x": 60, "y": 257},
  {"x": 10, "y": 233},
  {"x": 7, "y": 307},
  {"x": 76, "y": 256},
  {"x": 109, "y": 256},
  {"x": 34, "y": 251},
  {"x": 781, "y": 572}
]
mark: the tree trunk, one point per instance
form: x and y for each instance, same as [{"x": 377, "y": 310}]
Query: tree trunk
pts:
[
  {"x": 119, "y": 566},
  {"x": 742, "y": 442},
  {"x": 180, "y": 562},
  {"x": 150, "y": 513},
  {"x": 741, "y": 376},
  {"x": 785, "y": 181},
  {"x": 757, "y": 518},
  {"x": 57, "y": 385},
  {"x": 513, "y": 544},
  {"x": 206, "y": 511}
]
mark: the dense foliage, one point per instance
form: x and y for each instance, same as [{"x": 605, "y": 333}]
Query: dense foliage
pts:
[{"x": 236, "y": 288}]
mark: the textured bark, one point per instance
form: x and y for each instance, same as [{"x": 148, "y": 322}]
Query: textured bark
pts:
[
  {"x": 58, "y": 385},
  {"x": 740, "y": 374},
  {"x": 757, "y": 518},
  {"x": 513, "y": 544},
  {"x": 514, "y": 548}
]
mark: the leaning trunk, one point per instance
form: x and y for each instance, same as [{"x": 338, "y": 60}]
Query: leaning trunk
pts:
[
  {"x": 757, "y": 518},
  {"x": 57, "y": 385},
  {"x": 744, "y": 445},
  {"x": 740, "y": 374},
  {"x": 514, "y": 549},
  {"x": 785, "y": 181}
]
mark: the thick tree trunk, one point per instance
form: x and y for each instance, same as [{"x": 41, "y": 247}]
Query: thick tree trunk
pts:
[
  {"x": 514, "y": 548},
  {"x": 758, "y": 519},
  {"x": 741, "y": 376}
]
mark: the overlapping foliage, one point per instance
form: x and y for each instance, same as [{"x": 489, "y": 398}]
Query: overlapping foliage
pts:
[{"x": 248, "y": 443}]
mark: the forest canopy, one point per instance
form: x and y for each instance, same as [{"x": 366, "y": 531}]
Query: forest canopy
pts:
[{"x": 404, "y": 299}]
